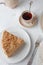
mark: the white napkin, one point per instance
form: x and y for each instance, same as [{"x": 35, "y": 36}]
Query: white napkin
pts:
[
  {"x": 38, "y": 60},
  {"x": 41, "y": 20}
]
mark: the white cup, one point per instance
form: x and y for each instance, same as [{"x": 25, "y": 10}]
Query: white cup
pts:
[
  {"x": 10, "y": 3},
  {"x": 33, "y": 16},
  {"x": 28, "y": 19}
]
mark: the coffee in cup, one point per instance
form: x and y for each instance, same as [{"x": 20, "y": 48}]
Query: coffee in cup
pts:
[{"x": 28, "y": 18}]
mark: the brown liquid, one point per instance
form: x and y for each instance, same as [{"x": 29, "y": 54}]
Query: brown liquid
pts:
[{"x": 27, "y": 16}]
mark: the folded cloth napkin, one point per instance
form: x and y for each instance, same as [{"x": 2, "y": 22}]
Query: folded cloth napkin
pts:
[{"x": 38, "y": 60}]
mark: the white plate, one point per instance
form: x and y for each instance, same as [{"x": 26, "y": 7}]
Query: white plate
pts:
[{"x": 23, "y": 52}]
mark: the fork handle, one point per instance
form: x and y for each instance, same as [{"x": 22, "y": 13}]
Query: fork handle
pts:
[{"x": 32, "y": 57}]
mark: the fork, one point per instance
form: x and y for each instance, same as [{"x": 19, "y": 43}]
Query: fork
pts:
[{"x": 37, "y": 43}]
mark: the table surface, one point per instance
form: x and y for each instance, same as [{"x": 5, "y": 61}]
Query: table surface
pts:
[{"x": 10, "y": 17}]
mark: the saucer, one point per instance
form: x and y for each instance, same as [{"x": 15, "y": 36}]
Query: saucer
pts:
[{"x": 27, "y": 25}]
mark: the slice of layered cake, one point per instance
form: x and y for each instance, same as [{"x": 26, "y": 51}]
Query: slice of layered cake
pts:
[{"x": 11, "y": 43}]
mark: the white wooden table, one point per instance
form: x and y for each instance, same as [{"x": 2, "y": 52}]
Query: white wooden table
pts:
[{"x": 10, "y": 17}]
